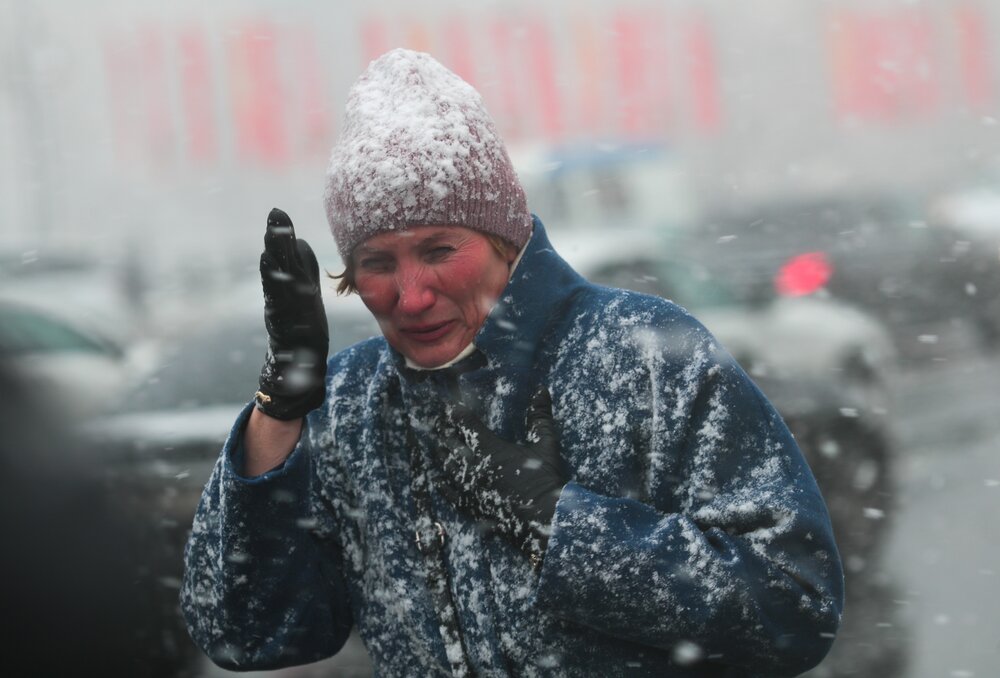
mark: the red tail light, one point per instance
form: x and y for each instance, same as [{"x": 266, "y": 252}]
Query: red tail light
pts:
[{"x": 803, "y": 274}]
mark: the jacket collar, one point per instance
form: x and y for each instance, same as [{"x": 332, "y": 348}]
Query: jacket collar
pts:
[{"x": 541, "y": 285}]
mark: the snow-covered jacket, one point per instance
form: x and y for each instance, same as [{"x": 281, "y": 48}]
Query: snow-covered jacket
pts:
[{"x": 691, "y": 540}]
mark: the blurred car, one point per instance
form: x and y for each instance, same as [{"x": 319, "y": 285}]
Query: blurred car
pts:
[
  {"x": 582, "y": 187},
  {"x": 970, "y": 205},
  {"x": 770, "y": 334},
  {"x": 973, "y": 211},
  {"x": 623, "y": 214},
  {"x": 70, "y": 364},
  {"x": 77, "y": 286},
  {"x": 172, "y": 425},
  {"x": 932, "y": 278},
  {"x": 160, "y": 442},
  {"x": 936, "y": 289}
]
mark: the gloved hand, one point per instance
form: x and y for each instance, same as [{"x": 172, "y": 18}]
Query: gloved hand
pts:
[
  {"x": 292, "y": 381},
  {"x": 514, "y": 488}
]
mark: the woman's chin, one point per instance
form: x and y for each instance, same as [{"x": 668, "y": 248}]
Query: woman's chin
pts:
[{"x": 431, "y": 356}]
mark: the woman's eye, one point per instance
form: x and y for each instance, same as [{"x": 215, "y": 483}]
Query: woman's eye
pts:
[
  {"x": 438, "y": 253},
  {"x": 375, "y": 265}
]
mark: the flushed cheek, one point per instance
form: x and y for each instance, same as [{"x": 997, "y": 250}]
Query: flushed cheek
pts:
[
  {"x": 476, "y": 308},
  {"x": 483, "y": 294},
  {"x": 388, "y": 330},
  {"x": 378, "y": 297}
]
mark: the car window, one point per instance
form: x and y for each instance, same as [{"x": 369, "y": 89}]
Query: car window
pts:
[
  {"x": 690, "y": 286},
  {"x": 23, "y": 330},
  {"x": 220, "y": 366}
]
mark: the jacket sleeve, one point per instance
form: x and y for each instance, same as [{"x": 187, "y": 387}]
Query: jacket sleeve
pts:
[
  {"x": 730, "y": 560},
  {"x": 261, "y": 588}
]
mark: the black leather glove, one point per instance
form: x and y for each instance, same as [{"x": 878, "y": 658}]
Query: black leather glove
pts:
[
  {"x": 513, "y": 488},
  {"x": 292, "y": 381}
]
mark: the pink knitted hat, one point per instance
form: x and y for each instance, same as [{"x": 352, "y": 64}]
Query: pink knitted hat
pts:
[{"x": 418, "y": 147}]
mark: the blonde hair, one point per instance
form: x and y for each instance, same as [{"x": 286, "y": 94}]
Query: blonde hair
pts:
[{"x": 346, "y": 284}]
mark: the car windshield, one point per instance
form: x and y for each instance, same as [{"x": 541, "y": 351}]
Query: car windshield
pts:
[
  {"x": 220, "y": 366},
  {"x": 687, "y": 284},
  {"x": 26, "y": 331},
  {"x": 777, "y": 231}
]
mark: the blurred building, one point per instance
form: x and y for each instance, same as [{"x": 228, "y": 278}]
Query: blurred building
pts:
[{"x": 164, "y": 133}]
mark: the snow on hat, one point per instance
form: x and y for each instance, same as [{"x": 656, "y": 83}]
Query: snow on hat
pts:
[{"x": 418, "y": 147}]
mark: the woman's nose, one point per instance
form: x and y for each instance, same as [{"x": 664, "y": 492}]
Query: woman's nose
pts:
[{"x": 415, "y": 295}]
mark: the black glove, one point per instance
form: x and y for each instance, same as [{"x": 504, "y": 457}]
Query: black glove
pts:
[
  {"x": 514, "y": 488},
  {"x": 292, "y": 381}
]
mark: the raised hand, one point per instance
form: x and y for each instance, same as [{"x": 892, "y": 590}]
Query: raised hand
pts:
[{"x": 292, "y": 381}]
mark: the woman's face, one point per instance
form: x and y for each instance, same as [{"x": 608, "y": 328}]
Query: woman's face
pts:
[{"x": 430, "y": 287}]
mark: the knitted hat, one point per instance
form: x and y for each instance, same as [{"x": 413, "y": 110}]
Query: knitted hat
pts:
[{"x": 418, "y": 147}]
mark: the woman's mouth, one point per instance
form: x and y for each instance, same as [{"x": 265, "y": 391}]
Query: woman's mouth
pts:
[{"x": 429, "y": 332}]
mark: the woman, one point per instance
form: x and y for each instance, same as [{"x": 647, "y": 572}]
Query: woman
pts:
[{"x": 525, "y": 475}]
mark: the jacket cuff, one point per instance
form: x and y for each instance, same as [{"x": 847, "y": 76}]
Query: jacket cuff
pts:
[
  {"x": 275, "y": 502},
  {"x": 234, "y": 453}
]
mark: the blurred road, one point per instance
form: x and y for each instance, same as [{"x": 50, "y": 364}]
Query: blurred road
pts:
[
  {"x": 944, "y": 556},
  {"x": 351, "y": 662}
]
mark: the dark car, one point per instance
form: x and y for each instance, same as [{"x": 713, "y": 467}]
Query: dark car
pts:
[{"x": 936, "y": 290}]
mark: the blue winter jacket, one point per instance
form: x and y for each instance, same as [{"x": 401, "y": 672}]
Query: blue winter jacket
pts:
[{"x": 691, "y": 541}]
